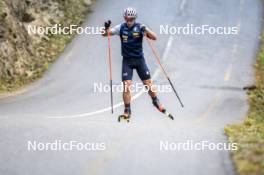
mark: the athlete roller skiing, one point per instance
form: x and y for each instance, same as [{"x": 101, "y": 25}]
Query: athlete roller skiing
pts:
[{"x": 131, "y": 35}]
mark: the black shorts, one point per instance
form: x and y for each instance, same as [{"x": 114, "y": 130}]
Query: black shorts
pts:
[{"x": 135, "y": 63}]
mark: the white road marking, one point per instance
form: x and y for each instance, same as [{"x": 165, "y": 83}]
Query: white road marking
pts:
[{"x": 182, "y": 5}]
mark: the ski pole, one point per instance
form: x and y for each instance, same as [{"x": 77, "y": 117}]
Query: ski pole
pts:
[
  {"x": 163, "y": 70},
  {"x": 110, "y": 69}
]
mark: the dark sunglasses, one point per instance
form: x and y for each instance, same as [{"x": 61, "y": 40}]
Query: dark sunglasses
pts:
[{"x": 129, "y": 19}]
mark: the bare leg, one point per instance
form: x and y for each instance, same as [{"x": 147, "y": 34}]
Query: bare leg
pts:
[
  {"x": 153, "y": 94},
  {"x": 127, "y": 96},
  {"x": 152, "y": 91}
]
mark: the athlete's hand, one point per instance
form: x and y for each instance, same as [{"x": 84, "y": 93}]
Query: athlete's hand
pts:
[
  {"x": 148, "y": 33},
  {"x": 143, "y": 27},
  {"x": 107, "y": 24}
]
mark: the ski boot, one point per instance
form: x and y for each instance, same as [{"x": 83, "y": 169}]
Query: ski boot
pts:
[{"x": 159, "y": 106}]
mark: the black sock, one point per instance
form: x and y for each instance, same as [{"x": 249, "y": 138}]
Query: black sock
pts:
[
  {"x": 127, "y": 108},
  {"x": 154, "y": 99}
]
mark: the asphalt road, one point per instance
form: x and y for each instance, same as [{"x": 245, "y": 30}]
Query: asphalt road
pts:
[{"x": 209, "y": 72}]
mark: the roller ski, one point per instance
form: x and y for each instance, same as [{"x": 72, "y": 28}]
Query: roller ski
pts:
[
  {"x": 158, "y": 105},
  {"x": 167, "y": 114},
  {"x": 124, "y": 117},
  {"x": 127, "y": 114}
]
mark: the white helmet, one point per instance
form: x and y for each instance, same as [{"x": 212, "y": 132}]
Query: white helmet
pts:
[{"x": 130, "y": 12}]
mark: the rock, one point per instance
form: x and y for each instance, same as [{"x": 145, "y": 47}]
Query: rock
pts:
[{"x": 88, "y": 2}]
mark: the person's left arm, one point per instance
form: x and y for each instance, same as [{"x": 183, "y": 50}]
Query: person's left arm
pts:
[{"x": 149, "y": 33}]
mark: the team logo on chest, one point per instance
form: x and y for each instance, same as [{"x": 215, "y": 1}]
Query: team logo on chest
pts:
[
  {"x": 124, "y": 37},
  {"x": 135, "y": 29},
  {"x": 125, "y": 32},
  {"x": 136, "y": 33}
]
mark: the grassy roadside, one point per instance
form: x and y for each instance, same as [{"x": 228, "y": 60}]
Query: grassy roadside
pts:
[
  {"x": 249, "y": 158},
  {"x": 28, "y": 57},
  {"x": 1, "y": 6}
]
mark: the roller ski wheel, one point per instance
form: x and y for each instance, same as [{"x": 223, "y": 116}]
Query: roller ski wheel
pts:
[
  {"x": 167, "y": 114},
  {"x": 159, "y": 106},
  {"x": 124, "y": 117}
]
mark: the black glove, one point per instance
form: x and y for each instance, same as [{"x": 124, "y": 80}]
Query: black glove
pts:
[
  {"x": 107, "y": 24},
  {"x": 143, "y": 27}
]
